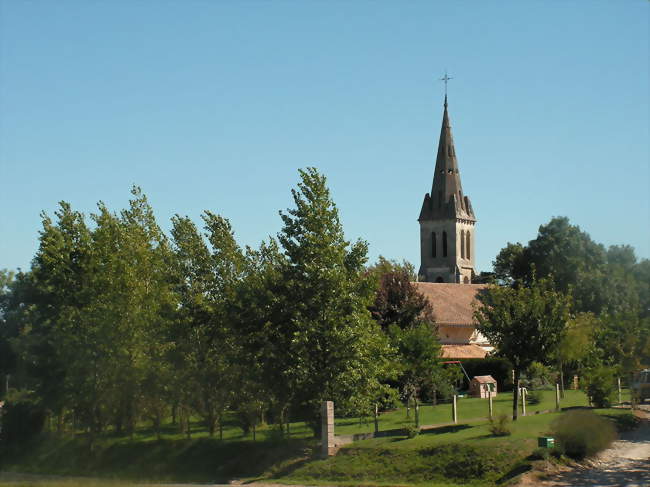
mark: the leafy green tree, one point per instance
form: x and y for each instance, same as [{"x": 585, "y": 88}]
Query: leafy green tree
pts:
[
  {"x": 207, "y": 282},
  {"x": 418, "y": 356},
  {"x": 576, "y": 343},
  {"x": 623, "y": 341},
  {"x": 601, "y": 281},
  {"x": 322, "y": 340},
  {"x": 385, "y": 266},
  {"x": 7, "y": 355},
  {"x": 525, "y": 324}
]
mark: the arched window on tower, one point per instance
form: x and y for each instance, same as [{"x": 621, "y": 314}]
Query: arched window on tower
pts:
[
  {"x": 462, "y": 244},
  {"x": 467, "y": 244},
  {"x": 444, "y": 244},
  {"x": 433, "y": 244}
]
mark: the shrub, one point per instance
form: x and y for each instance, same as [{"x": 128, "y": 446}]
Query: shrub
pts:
[
  {"x": 411, "y": 431},
  {"x": 500, "y": 426},
  {"x": 600, "y": 386},
  {"x": 534, "y": 397},
  {"x": 22, "y": 418},
  {"x": 582, "y": 433}
]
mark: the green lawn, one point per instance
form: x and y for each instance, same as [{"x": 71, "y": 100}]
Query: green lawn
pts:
[
  {"x": 469, "y": 408},
  {"x": 464, "y": 454},
  {"x": 204, "y": 459}
]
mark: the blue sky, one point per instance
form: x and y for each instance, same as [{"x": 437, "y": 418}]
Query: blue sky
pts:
[{"x": 216, "y": 104}]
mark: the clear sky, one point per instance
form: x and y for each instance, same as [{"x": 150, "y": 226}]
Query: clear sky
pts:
[{"x": 216, "y": 104}]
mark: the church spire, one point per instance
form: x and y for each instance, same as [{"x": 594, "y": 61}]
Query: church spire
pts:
[{"x": 446, "y": 198}]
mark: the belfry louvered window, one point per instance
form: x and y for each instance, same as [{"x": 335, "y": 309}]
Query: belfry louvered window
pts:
[{"x": 462, "y": 244}]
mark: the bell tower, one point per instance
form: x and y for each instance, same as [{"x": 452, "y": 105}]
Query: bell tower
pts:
[{"x": 446, "y": 220}]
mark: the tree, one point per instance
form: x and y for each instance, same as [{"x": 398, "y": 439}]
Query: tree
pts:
[
  {"x": 7, "y": 356},
  {"x": 206, "y": 281},
  {"x": 576, "y": 343},
  {"x": 418, "y": 355},
  {"x": 398, "y": 301},
  {"x": 322, "y": 338},
  {"x": 600, "y": 281},
  {"x": 524, "y": 324}
]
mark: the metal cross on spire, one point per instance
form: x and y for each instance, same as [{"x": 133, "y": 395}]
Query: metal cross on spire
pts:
[{"x": 446, "y": 78}]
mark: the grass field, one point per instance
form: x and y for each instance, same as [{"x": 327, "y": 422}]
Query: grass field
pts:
[{"x": 204, "y": 459}]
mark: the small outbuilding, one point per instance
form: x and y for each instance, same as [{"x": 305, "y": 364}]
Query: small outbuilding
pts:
[{"x": 483, "y": 386}]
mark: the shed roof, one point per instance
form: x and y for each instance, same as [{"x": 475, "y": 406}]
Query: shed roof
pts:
[
  {"x": 484, "y": 379},
  {"x": 452, "y": 303}
]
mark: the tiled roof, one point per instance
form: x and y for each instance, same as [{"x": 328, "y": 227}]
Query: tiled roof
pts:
[
  {"x": 463, "y": 351},
  {"x": 452, "y": 303}
]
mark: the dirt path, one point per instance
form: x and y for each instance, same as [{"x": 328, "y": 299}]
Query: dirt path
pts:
[{"x": 625, "y": 464}]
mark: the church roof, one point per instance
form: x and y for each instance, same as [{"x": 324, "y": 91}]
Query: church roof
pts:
[
  {"x": 452, "y": 303},
  {"x": 446, "y": 199}
]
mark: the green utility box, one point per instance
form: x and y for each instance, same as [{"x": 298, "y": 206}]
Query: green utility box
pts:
[{"x": 545, "y": 442}]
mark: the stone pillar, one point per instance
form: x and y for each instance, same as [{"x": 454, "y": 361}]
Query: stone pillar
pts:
[
  {"x": 327, "y": 431},
  {"x": 557, "y": 397},
  {"x": 454, "y": 410}
]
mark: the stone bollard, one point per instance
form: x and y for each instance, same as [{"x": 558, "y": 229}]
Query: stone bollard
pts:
[
  {"x": 454, "y": 409},
  {"x": 327, "y": 432},
  {"x": 557, "y": 397}
]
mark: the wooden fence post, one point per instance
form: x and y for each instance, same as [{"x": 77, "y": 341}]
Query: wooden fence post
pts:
[
  {"x": 490, "y": 403},
  {"x": 376, "y": 418}
]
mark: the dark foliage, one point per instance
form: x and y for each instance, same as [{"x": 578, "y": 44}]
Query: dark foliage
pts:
[
  {"x": 22, "y": 418},
  {"x": 399, "y": 302}
]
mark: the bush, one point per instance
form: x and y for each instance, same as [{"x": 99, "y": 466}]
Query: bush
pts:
[
  {"x": 411, "y": 431},
  {"x": 534, "y": 397},
  {"x": 600, "y": 386},
  {"x": 22, "y": 418},
  {"x": 500, "y": 426},
  {"x": 582, "y": 433}
]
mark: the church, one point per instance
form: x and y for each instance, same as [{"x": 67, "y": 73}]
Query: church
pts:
[{"x": 447, "y": 249}]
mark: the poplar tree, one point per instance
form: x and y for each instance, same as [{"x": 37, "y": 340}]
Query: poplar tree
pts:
[{"x": 328, "y": 346}]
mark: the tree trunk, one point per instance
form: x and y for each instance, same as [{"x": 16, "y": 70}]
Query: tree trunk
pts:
[
  {"x": 561, "y": 381},
  {"x": 515, "y": 396},
  {"x": 417, "y": 412}
]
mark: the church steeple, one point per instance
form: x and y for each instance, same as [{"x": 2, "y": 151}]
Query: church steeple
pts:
[
  {"x": 447, "y": 218},
  {"x": 446, "y": 197}
]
